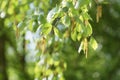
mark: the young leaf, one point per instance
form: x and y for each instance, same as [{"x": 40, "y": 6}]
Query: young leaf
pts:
[
  {"x": 89, "y": 30},
  {"x": 73, "y": 35},
  {"x": 56, "y": 31},
  {"x": 79, "y": 36},
  {"x": 78, "y": 27},
  {"x": 46, "y": 29},
  {"x": 66, "y": 20},
  {"x": 86, "y": 16},
  {"x": 93, "y": 43}
]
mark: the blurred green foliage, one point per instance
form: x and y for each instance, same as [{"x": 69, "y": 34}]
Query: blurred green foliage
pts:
[{"x": 59, "y": 40}]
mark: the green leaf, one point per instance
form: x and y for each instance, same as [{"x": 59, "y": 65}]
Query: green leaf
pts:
[
  {"x": 73, "y": 12},
  {"x": 46, "y": 29},
  {"x": 87, "y": 30},
  {"x": 35, "y": 26},
  {"x": 81, "y": 3},
  {"x": 66, "y": 20},
  {"x": 86, "y": 16},
  {"x": 66, "y": 3},
  {"x": 51, "y": 14},
  {"x": 73, "y": 35},
  {"x": 30, "y": 27},
  {"x": 83, "y": 29},
  {"x": 34, "y": 17},
  {"x": 42, "y": 19},
  {"x": 48, "y": 72},
  {"x": 21, "y": 25},
  {"x": 78, "y": 27},
  {"x": 79, "y": 36},
  {"x": 56, "y": 31},
  {"x": 93, "y": 43},
  {"x": 65, "y": 9}
]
